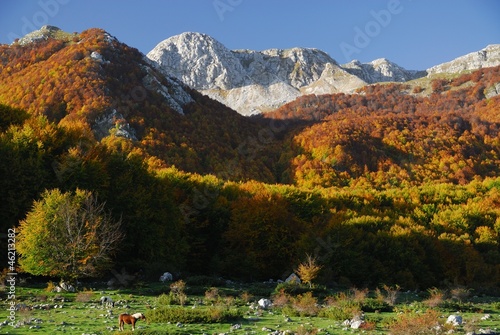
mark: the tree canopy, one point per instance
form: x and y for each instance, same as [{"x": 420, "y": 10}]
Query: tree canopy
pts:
[{"x": 69, "y": 235}]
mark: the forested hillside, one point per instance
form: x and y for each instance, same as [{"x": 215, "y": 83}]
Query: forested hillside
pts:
[
  {"x": 390, "y": 135},
  {"x": 397, "y": 184},
  {"x": 78, "y": 82}
]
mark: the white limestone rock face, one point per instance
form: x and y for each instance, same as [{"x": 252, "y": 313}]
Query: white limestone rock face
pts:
[
  {"x": 43, "y": 33},
  {"x": 249, "y": 81},
  {"x": 381, "y": 70},
  {"x": 253, "y": 82},
  {"x": 199, "y": 61},
  {"x": 487, "y": 57}
]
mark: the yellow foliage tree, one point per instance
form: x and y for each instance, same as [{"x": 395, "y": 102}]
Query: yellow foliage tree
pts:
[{"x": 308, "y": 270}]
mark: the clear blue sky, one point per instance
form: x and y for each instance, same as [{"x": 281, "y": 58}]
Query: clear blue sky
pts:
[{"x": 415, "y": 34}]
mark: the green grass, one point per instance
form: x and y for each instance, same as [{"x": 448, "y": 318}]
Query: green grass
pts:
[{"x": 81, "y": 313}]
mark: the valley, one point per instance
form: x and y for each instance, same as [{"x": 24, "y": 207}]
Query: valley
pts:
[{"x": 387, "y": 177}]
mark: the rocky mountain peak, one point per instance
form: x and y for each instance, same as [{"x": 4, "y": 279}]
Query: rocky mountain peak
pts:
[
  {"x": 381, "y": 70},
  {"x": 43, "y": 33},
  {"x": 199, "y": 61},
  {"x": 251, "y": 81},
  {"x": 246, "y": 80}
]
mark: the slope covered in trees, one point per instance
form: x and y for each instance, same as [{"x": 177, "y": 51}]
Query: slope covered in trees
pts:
[
  {"x": 389, "y": 136},
  {"x": 78, "y": 82},
  {"x": 391, "y": 185}
]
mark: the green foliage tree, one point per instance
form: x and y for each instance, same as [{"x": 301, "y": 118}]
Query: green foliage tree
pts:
[{"x": 68, "y": 235}]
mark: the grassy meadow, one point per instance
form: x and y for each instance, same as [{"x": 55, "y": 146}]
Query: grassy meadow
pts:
[{"x": 232, "y": 308}]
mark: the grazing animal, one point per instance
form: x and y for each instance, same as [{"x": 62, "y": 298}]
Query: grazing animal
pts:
[
  {"x": 125, "y": 318},
  {"x": 107, "y": 301}
]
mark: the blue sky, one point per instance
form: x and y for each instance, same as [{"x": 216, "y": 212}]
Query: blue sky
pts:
[{"x": 415, "y": 34}]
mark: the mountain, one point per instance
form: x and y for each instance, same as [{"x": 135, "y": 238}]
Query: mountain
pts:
[
  {"x": 387, "y": 135},
  {"x": 252, "y": 82},
  {"x": 92, "y": 81},
  {"x": 381, "y": 70},
  {"x": 487, "y": 57},
  {"x": 201, "y": 189}
]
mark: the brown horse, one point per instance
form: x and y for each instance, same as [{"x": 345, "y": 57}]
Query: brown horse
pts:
[{"x": 130, "y": 319}]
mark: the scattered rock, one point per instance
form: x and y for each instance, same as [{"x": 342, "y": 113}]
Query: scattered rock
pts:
[
  {"x": 264, "y": 303},
  {"x": 96, "y": 56},
  {"x": 356, "y": 324},
  {"x": 114, "y": 122},
  {"x": 492, "y": 91},
  {"x": 293, "y": 278},
  {"x": 455, "y": 320},
  {"x": 167, "y": 276},
  {"x": 236, "y": 326},
  {"x": 67, "y": 287},
  {"x": 486, "y": 317}
]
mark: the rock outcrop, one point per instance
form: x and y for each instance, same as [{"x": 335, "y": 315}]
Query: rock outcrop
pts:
[
  {"x": 250, "y": 81},
  {"x": 381, "y": 70},
  {"x": 487, "y": 57},
  {"x": 253, "y": 82}
]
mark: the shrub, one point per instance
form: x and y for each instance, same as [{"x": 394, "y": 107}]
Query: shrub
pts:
[
  {"x": 84, "y": 296},
  {"x": 460, "y": 294},
  {"x": 418, "y": 89},
  {"x": 177, "y": 289},
  {"x": 281, "y": 299},
  {"x": 390, "y": 296},
  {"x": 212, "y": 295},
  {"x": 375, "y": 305},
  {"x": 359, "y": 295},
  {"x": 341, "y": 307},
  {"x": 414, "y": 307},
  {"x": 305, "y": 304},
  {"x": 291, "y": 288},
  {"x": 246, "y": 297},
  {"x": 51, "y": 287},
  {"x": 197, "y": 315},
  {"x": 436, "y": 297},
  {"x": 165, "y": 299},
  {"x": 416, "y": 324},
  {"x": 304, "y": 330},
  {"x": 339, "y": 313},
  {"x": 142, "y": 332}
]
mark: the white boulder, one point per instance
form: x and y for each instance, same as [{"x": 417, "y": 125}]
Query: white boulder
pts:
[
  {"x": 264, "y": 303},
  {"x": 293, "y": 278},
  {"x": 167, "y": 276},
  {"x": 455, "y": 320}
]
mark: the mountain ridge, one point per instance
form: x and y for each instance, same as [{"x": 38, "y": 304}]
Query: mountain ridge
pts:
[
  {"x": 109, "y": 90},
  {"x": 253, "y": 82},
  {"x": 486, "y": 57},
  {"x": 245, "y": 80}
]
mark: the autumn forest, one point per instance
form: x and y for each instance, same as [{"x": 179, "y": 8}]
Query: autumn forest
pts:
[{"x": 397, "y": 184}]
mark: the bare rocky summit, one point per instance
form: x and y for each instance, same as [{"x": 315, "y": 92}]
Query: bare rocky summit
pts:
[
  {"x": 253, "y": 82},
  {"x": 487, "y": 57},
  {"x": 250, "y": 81},
  {"x": 381, "y": 70}
]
